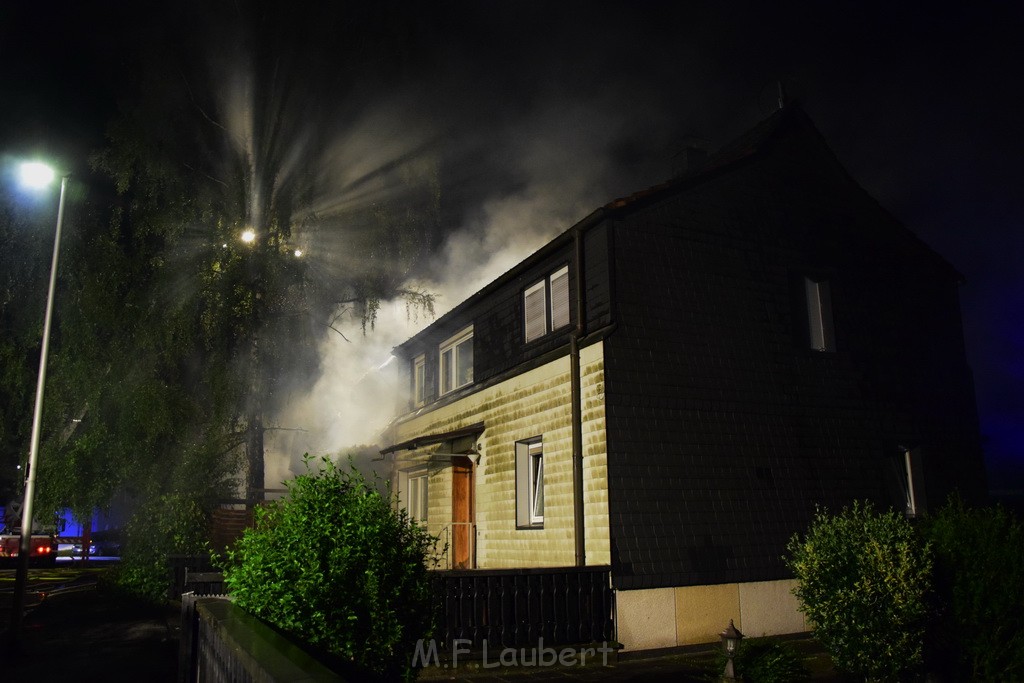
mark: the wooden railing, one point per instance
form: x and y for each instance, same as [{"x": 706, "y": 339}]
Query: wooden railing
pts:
[
  {"x": 179, "y": 567},
  {"x": 516, "y": 607}
]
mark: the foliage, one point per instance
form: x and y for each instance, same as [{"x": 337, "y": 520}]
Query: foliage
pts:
[
  {"x": 978, "y": 631},
  {"x": 335, "y": 565},
  {"x": 170, "y": 524},
  {"x": 765, "y": 660},
  {"x": 174, "y": 343},
  {"x": 134, "y": 402},
  {"x": 23, "y": 273},
  {"x": 862, "y": 581}
]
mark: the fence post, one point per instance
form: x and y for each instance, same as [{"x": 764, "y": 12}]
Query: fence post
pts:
[{"x": 187, "y": 645}]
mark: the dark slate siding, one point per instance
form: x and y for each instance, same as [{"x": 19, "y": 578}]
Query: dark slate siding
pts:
[
  {"x": 499, "y": 347},
  {"x": 724, "y": 431},
  {"x": 597, "y": 292}
]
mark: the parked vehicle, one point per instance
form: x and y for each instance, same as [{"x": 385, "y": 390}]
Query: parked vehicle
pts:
[{"x": 43, "y": 547}]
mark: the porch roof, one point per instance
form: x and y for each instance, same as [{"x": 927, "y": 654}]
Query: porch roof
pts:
[{"x": 437, "y": 437}]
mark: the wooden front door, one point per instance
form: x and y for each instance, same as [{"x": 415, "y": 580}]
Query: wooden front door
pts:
[{"x": 463, "y": 527}]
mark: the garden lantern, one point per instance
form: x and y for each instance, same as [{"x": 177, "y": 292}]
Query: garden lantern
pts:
[{"x": 731, "y": 638}]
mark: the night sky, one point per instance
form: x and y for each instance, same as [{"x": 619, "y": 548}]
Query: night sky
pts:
[{"x": 921, "y": 104}]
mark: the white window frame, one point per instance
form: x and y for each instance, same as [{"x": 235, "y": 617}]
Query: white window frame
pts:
[
  {"x": 535, "y": 313},
  {"x": 552, "y": 311},
  {"x": 821, "y": 332},
  {"x": 557, "y": 324},
  {"x": 913, "y": 482},
  {"x": 449, "y": 370},
  {"x": 419, "y": 380},
  {"x": 530, "y": 483},
  {"x": 414, "y": 487}
]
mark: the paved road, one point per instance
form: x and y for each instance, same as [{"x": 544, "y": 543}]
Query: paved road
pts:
[
  {"x": 82, "y": 631},
  {"x": 43, "y": 583}
]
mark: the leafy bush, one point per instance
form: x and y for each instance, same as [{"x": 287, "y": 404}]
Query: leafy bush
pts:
[
  {"x": 167, "y": 525},
  {"x": 978, "y": 630},
  {"x": 862, "y": 580},
  {"x": 334, "y": 565},
  {"x": 766, "y": 660}
]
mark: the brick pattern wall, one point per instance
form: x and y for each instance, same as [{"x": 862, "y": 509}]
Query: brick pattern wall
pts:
[{"x": 535, "y": 403}]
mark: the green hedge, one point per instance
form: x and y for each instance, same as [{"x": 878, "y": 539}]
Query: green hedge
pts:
[
  {"x": 889, "y": 600},
  {"x": 336, "y": 566},
  {"x": 862, "y": 581},
  {"x": 168, "y": 525},
  {"x": 977, "y": 630}
]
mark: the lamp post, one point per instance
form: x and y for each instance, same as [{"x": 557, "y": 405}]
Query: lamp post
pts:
[
  {"x": 36, "y": 175},
  {"x": 731, "y": 638}
]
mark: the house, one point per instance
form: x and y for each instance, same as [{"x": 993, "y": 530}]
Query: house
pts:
[{"x": 671, "y": 386}]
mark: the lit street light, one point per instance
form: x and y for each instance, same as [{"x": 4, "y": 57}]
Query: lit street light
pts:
[{"x": 37, "y": 176}]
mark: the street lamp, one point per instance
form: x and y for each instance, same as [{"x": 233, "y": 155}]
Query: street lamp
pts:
[{"x": 37, "y": 176}]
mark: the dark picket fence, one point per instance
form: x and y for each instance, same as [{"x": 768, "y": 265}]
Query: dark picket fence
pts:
[
  {"x": 516, "y": 607},
  {"x": 502, "y": 607}
]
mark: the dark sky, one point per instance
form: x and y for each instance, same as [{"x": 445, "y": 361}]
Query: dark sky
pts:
[{"x": 918, "y": 100}]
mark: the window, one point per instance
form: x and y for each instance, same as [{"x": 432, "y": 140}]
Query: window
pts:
[
  {"x": 419, "y": 380},
  {"x": 413, "y": 489},
  {"x": 534, "y": 304},
  {"x": 821, "y": 335},
  {"x": 911, "y": 477},
  {"x": 559, "y": 285},
  {"x": 457, "y": 361},
  {"x": 530, "y": 483},
  {"x": 546, "y": 304}
]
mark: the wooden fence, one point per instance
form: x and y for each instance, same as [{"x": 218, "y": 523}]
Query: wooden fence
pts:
[{"x": 516, "y": 607}]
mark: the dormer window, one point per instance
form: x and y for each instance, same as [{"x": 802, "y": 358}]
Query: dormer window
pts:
[
  {"x": 546, "y": 305},
  {"x": 457, "y": 361}
]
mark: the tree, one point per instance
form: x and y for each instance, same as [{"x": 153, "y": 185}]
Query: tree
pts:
[
  {"x": 337, "y": 566},
  {"x": 862, "y": 578},
  {"x": 176, "y": 342},
  {"x": 22, "y": 301},
  {"x": 978, "y": 627}
]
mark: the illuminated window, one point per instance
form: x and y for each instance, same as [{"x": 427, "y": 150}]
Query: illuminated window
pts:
[
  {"x": 457, "y": 361},
  {"x": 419, "y": 380},
  {"x": 546, "y": 304},
  {"x": 530, "y": 483},
  {"x": 819, "y": 315}
]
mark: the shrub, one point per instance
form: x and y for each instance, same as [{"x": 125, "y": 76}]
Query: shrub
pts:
[
  {"x": 766, "y": 660},
  {"x": 978, "y": 630},
  {"x": 335, "y": 566},
  {"x": 166, "y": 525},
  {"x": 862, "y": 579}
]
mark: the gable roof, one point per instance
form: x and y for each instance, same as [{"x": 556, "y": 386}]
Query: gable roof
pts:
[{"x": 746, "y": 146}]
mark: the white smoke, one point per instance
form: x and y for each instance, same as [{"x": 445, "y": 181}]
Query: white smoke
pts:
[
  {"x": 560, "y": 159},
  {"x": 351, "y": 402}
]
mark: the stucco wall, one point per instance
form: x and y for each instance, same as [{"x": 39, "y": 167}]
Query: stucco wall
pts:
[{"x": 689, "y": 615}]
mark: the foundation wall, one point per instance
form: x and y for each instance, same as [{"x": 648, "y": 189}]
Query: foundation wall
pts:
[{"x": 691, "y": 615}]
